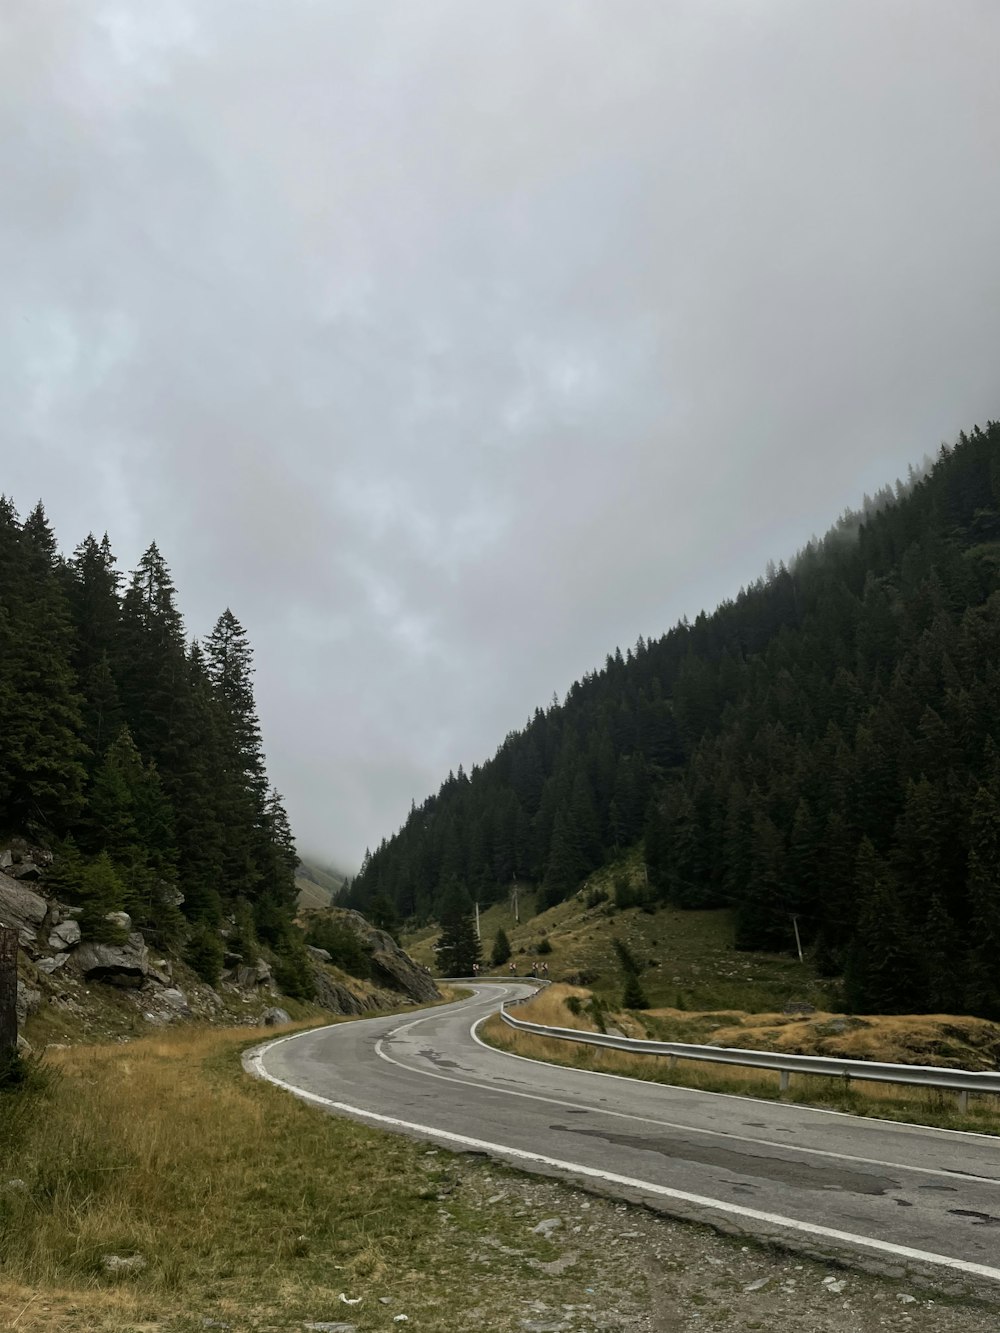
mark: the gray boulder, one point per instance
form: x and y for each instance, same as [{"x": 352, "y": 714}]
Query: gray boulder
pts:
[
  {"x": 65, "y": 935},
  {"x": 175, "y": 999},
  {"x": 20, "y": 907},
  {"x": 118, "y": 964},
  {"x": 335, "y": 996},
  {"x": 321, "y": 955},
  {"x": 392, "y": 967},
  {"x": 28, "y": 1001},
  {"x": 121, "y": 920},
  {"x": 50, "y": 965},
  {"x": 26, "y": 870},
  {"x": 275, "y": 1016}
]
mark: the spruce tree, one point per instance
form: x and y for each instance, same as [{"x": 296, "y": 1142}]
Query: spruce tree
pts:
[
  {"x": 501, "y": 948},
  {"x": 41, "y": 757},
  {"x": 983, "y": 967},
  {"x": 153, "y": 673},
  {"x": 458, "y": 950}
]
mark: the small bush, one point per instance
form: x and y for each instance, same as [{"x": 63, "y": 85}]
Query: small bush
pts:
[
  {"x": 633, "y": 996},
  {"x": 292, "y": 971},
  {"x": 501, "y": 949},
  {"x": 574, "y": 1005},
  {"x": 544, "y": 945},
  {"x": 629, "y": 963},
  {"x": 345, "y": 949},
  {"x": 625, "y": 893},
  {"x": 204, "y": 953}
]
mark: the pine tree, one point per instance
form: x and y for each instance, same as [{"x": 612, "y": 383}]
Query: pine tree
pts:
[
  {"x": 983, "y": 984},
  {"x": 201, "y": 794},
  {"x": 633, "y": 995},
  {"x": 885, "y": 971},
  {"x": 230, "y": 668},
  {"x": 41, "y": 768},
  {"x": 501, "y": 948},
  {"x": 92, "y": 586},
  {"x": 153, "y": 670},
  {"x": 458, "y": 949}
]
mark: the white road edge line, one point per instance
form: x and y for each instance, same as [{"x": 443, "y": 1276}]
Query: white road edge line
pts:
[
  {"x": 650, "y": 1120},
  {"x": 611, "y": 1177}
]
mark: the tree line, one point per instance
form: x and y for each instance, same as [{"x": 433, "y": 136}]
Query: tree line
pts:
[
  {"x": 137, "y": 752},
  {"x": 821, "y": 751}
]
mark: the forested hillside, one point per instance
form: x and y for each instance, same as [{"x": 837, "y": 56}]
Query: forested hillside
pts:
[
  {"x": 136, "y": 754},
  {"x": 824, "y": 746}
]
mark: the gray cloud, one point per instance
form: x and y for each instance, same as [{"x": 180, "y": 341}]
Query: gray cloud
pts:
[{"x": 453, "y": 345}]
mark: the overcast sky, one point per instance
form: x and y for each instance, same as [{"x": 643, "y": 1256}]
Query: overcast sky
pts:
[{"x": 453, "y": 343}]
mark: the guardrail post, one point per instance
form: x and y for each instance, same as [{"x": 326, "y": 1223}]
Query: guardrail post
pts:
[
  {"x": 784, "y": 1079},
  {"x": 671, "y": 1061},
  {"x": 963, "y": 1102}
]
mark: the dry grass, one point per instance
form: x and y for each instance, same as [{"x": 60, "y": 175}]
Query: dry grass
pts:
[
  {"x": 248, "y": 1206},
  {"x": 889, "y": 1101}
]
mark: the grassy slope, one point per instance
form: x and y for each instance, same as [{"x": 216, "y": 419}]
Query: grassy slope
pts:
[
  {"x": 317, "y": 884},
  {"x": 248, "y": 1207},
  {"x": 694, "y": 964}
]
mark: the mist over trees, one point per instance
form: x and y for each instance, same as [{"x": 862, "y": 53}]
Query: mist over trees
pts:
[
  {"x": 823, "y": 746},
  {"x": 136, "y": 752}
]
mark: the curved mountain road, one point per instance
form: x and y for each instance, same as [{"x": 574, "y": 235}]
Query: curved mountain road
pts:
[{"x": 899, "y": 1199}]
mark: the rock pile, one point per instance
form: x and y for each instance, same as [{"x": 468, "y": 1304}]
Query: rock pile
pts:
[{"x": 66, "y": 961}]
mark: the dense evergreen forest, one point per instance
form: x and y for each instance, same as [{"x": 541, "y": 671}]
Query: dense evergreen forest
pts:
[
  {"x": 823, "y": 747},
  {"x": 137, "y": 755}
]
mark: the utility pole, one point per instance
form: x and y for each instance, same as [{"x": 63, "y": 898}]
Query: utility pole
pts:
[
  {"x": 513, "y": 897},
  {"x": 798, "y": 942},
  {"x": 478, "y": 935}
]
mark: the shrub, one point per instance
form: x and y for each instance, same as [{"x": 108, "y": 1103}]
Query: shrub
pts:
[
  {"x": 345, "y": 949},
  {"x": 544, "y": 945},
  {"x": 292, "y": 971},
  {"x": 633, "y": 996},
  {"x": 501, "y": 949},
  {"x": 204, "y": 953},
  {"x": 101, "y": 892},
  {"x": 629, "y": 963}
]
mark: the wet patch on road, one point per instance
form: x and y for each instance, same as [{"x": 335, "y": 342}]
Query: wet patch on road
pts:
[{"x": 797, "y": 1174}]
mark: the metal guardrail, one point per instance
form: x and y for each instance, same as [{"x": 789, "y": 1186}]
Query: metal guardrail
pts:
[{"x": 961, "y": 1081}]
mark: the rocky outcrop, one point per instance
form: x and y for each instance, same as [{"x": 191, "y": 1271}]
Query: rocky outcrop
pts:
[
  {"x": 335, "y": 996},
  {"x": 21, "y": 908},
  {"x": 391, "y": 966},
  {"x": 61, "y": 963},
  {"x": 120, "y": 964}
]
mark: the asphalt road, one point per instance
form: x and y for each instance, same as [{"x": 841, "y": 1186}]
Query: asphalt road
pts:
[{"x": 898, "y": 1198}]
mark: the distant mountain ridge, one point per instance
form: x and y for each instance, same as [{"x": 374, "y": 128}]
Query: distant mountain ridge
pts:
[
  {"x": 820, "y": 753},
  {"x": 318, "y": 885}
]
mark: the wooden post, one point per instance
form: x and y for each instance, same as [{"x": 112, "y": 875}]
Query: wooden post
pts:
[
  {"x": 8, "y": 989},
  {"x": 798, "y": 942}
]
